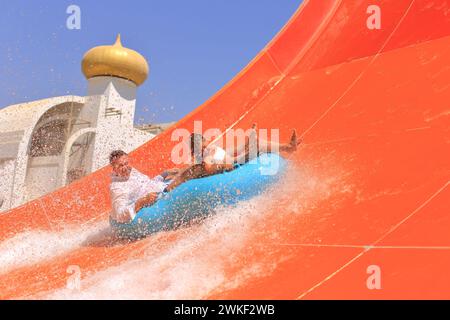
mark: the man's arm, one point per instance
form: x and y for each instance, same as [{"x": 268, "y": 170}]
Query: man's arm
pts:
[
  {"x": 123, "y": 212},
  {"x": 188, "y": 173},
  {"x": 170, "y": 174},
  {"x": 145, "y": 201}
]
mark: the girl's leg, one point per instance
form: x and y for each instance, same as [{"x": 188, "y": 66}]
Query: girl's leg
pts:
[
  {"x": 256, "y": 146},
  {"x": 191, "y": 172},
  {"x": 275, "y": 147}
]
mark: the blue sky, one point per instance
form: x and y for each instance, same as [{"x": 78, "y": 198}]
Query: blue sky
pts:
[{"x": 193, "y": 47}]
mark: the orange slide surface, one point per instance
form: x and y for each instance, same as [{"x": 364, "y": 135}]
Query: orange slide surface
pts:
[{"x": 366, "y": 194}]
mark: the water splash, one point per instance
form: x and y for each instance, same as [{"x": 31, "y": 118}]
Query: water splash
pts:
[
  {"x": 6, "y": 172},
  {"x": 221, "y": 253},
  {"x": 29, "y": 248}
]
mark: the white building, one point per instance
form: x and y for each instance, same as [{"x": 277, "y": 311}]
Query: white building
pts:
[{"x": 49, "y": 143}]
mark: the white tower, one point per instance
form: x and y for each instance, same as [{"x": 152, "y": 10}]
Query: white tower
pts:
[{"x": 113, "y": 74}]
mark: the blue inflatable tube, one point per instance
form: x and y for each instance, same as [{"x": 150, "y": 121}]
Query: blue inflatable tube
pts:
[{"x": 199, "y": 197}]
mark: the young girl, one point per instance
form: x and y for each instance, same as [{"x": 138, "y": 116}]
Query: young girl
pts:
[{"x": 209, "y": 159}]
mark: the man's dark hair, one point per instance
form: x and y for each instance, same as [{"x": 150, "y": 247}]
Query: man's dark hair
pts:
[{"x": 116, "y": 154}]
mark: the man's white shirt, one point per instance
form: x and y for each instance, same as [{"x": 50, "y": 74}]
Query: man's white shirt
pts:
[{"x": 125, "y": 192}]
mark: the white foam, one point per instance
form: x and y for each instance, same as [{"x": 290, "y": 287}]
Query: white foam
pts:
[
  {"x": 7, "y": 173},
  {"x": 29, "y": 248},
  {"x": 190, "y": 268},
  {"x": 210, "y": 257}
]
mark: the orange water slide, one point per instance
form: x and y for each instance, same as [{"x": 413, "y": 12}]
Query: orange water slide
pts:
[{"x": 369, "y": 188}]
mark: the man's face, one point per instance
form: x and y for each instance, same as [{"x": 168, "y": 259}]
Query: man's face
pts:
[{"x": 121, "y": 167}]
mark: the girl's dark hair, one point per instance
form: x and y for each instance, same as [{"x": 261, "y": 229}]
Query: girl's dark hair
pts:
[
  {"x": 196, "y": 141},
  {"x": 116, "y": 154}
]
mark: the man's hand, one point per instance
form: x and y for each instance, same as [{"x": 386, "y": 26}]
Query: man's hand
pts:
[
  {"x": 173, "y": 171},
  {"x": 150, "y": 199},
  {"x": 145, "y": 201},
  {"x": 170, "y": 174}
]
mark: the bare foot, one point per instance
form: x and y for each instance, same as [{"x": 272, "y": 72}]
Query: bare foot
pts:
[
  {"x": 294, "y": 142},
  {"x": 251, "y": 140},
  {"x": 254, "y": 134}
]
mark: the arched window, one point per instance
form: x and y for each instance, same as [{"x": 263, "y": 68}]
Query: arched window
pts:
[
  {"x": 53, "y": 129},
  {"x": 79, "y": 157},
  {"x": 49, "y": 139}
]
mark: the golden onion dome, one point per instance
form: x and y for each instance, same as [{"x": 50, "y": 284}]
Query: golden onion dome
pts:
[{"x": 115, "y": 61}]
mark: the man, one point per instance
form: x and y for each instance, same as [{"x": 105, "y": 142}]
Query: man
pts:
[{"x": 131, "y": 190}]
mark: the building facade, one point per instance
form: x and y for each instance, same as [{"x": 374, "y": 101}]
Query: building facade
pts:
[{"x": 49, "y": 143}]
